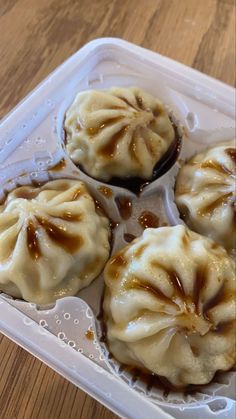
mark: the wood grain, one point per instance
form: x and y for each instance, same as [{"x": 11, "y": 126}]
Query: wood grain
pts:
[{"x": 36, "y": 36}]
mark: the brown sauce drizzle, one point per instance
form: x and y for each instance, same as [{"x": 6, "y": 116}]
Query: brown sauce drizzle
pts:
[
  {"x": 113, "y": 224},
  {"x": 26, "y": 193},
  {"x": 78, "y": 192},
  {"x": 89, "y": 334},
  {"x": 170, "y": 156},
  {"x": 173, "y": 277},
  {"x": 115, "y": 264},
  {"x": 224, "y": 327},
  {"x": 148, "y": 220},
  {"x": 68, "y": 216},
  {"x": 124, "y": 206},
  {"x": 133, "y": 147},
  {"x": 137, "y": 283},
  {"x": 157, "y": 111},
  {"x": 118, "y": 261},
  {"x": 140, "y": 103},
  {"x": 129, "y": 237},
  {"x": 151, "y": 380},
  {"x": 210, "y": 164},
  {"x": 102, "y": 333},
  {"x": 59, "y": 166},
  {"x": 199, "y": 283},
  {"x": 212, "y": 302},
  {"x": 37, "y": 183},
  {"x": 128, "y": 103},
  {"x": 185, "y": 240},
  {"x": 108, "y": 150},
  {"x": 215, "y": 204},
  {"x": 231, "y": 153},
  {"x": 176, "y": 282},
  {"x": 107, "y": 192},
  {"x": 58, "y": 235},
  {"x": 137, "y": 184},
  {"x": 61, "y": 186},
  {"x": 138, "y": 252},
  {"x": 91, "y": 131},
  {"x": 32, "y": 241},
  {"x": 116, "y": 107}
]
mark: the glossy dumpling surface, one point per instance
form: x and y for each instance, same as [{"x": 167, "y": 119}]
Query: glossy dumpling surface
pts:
[
  {"x": 205, "y": 193},
  {"x": 169, "y": 306},
  {"x": 120, "y": 132},
  {"x": 52, "y": 241}
]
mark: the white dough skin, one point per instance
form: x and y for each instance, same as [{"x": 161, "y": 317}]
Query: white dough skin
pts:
[
  {"x": 205, "y": 193},
  {"x": 52, "y": 241},
  {"x": 169, "y": 306},
  {"x": 120, "y": 132}
]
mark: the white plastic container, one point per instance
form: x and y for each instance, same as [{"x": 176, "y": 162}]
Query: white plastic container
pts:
[{"x": 31, "y": 138}]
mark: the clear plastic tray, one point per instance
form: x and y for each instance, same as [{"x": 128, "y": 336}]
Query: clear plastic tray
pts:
[{"x": 31, "y": 144}]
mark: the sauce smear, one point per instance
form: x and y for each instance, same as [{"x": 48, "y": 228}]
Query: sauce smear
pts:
[
  {"x": 148, "y": 220},
  {"x": 89, "y": 335},
  {"x": 124, "y": 206}
]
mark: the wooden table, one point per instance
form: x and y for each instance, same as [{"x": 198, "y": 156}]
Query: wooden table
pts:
[{"x": 36, "y": 36}]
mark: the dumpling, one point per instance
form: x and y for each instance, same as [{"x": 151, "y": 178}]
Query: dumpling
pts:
[
  {"x": 52, "y": 241},
  {"x": 120, "y": 132},
  {"x": 205, "y": 193},
  {"x": 169, "y": 306}
]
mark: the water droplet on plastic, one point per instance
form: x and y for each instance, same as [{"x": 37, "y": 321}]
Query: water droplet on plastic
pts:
[
  {"x": 67, "y": 316},
  {"x": 191, "y": 120},
  {"x": 217, "y": 405},
  {"x": 27, "y": 321},
  {"x": 89, "y": 313}
]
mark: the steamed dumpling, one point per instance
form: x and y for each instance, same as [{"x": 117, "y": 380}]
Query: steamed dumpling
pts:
[
  {"x": 206, "y": 193},
  {"x": 52, "y": 241},
  {"x": 121, "y": 132},
  {"x": 169, "y": 306}
]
